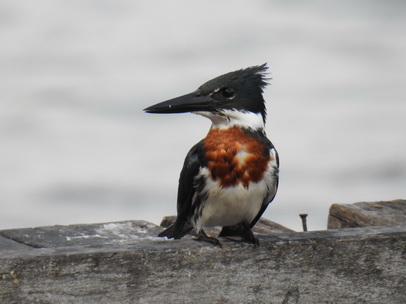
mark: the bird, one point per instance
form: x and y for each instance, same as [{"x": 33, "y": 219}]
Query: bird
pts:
[{"x": 228, "y": 178}]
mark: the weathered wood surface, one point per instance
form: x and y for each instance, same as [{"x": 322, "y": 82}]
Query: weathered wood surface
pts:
[
  {"x": 365, "y": 214},
  {"x": 124, "y": 262},
  {"x": 262, "y": 226}
]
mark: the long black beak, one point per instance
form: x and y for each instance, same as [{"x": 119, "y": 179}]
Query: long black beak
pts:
[{"x": 192, "y": 102}]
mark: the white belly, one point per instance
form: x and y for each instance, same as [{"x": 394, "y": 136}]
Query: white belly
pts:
[{"x": 232, "y": 205}]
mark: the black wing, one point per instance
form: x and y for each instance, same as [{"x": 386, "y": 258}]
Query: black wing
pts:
[
  {"x": 186, "y": 192},
  {"x": 271, "y": 192}
]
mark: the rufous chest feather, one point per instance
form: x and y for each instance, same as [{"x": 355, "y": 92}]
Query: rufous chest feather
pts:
[{"x": 234, "y": 157}]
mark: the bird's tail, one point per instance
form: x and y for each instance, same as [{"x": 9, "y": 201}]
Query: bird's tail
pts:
[
  {"x": 175, "y": 231},
  {"x": 239, "y": 229}
]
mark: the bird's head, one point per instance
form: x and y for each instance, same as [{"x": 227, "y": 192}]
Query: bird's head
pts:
[{"x": 234, "y": 98}]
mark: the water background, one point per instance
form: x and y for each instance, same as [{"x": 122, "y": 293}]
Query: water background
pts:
[{"x": 75, "y": 146}]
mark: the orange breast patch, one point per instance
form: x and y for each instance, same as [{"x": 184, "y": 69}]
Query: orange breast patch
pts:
[{"x": 234, "y": 157}]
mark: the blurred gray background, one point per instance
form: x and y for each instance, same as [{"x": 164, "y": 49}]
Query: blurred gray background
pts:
[{"x": 76, "y": 147}]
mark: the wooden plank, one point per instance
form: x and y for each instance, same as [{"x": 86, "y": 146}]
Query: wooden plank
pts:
[
  {"x": 357, "y": 265},
  {"x": 384, "y": 213},
  {"x": 6, "y": 245},
  {"x": 262, "y": 226},
  {"x": 82, "y": 234}
]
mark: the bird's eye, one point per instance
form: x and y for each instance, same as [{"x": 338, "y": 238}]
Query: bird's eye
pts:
[{"x": 228, "y": 93}]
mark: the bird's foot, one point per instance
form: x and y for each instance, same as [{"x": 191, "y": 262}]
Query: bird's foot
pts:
[
  {"x": 205, "y": 238},
  {"x": 251, "y": 238}
]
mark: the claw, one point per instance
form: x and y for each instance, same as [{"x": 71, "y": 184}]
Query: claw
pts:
[{"x": 205, "y": 238}]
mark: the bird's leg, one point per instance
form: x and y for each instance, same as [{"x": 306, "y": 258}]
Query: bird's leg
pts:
[{"x": 205, "y": 238}]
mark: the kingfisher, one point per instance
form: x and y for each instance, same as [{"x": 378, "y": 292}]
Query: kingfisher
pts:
[{"x": 228, "y": 178}]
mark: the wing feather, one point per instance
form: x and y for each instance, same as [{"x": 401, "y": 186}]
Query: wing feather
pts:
[{"x": 186, "y": 192}]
